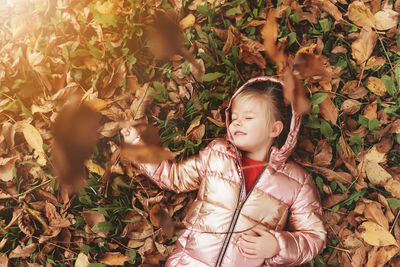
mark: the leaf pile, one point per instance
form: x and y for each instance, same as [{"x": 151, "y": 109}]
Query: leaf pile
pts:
[{"x": 74, "y": 73}]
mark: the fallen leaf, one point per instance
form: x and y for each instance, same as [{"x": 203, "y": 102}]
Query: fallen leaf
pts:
[
  {"x": 116, "y": 80},
  {"x": 114, "y": 258},
  {"x": 386, "y": 19},
  {"x": 6, "y": 168},
  {"x": 385, "y": 144},
  {"x": 94, "y": 168},
  {"x": 187, "y": 21},
  {"x": 350, "y": 106},
  {"x": 376, "y": 86},
  {"x": 328, "y": 110},
  {"x": 360, "y": 14},
  {"x": 159, "y": 217},
  {"x": 330, "y": 8},
  {"x": 31, "y": 134},
  {"x": 376, "y": 235},
  {"x": 3, "y": 260},
  {"x": 330, "y": 175},
  {"x": 370, "y": 111},
  {"x": 359, "y": 257},
  {"x": 323, "y": 153},
  {"x": 82, "y": 260},
  {"x": 96, "y": 103},
  {"x": 22, "y": 251},
  {"x": 393, "y": 187},
  {"x": 381, "y": 257},
  {"x": 376, "y": 174},
  {"x": 374, "y": 213},
  {"x": 332, "y": 200},
  {"x": 361, "y": 49}
]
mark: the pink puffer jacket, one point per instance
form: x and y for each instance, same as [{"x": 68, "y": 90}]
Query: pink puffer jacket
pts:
[{"x": 283, "y": 200}]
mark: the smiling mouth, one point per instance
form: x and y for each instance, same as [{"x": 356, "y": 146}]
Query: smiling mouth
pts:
[{"x": 239, "y": 133}]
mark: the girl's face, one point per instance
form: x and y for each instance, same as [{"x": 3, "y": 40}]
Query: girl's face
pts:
[{"x": 251, "y": 130}]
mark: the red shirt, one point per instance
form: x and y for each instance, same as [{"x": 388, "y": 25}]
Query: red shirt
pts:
[{"x": 251, "y": 173}]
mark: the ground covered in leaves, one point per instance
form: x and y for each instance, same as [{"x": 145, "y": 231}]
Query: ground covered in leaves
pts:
[{"x": 69, "y": 67}]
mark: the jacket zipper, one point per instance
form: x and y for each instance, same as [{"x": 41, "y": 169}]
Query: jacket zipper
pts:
[{"x": 238, "y": 208}]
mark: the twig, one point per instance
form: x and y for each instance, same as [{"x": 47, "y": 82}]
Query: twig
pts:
[
  {"x": 341, "y": 249},
  {"x": 395, "y": 221}
]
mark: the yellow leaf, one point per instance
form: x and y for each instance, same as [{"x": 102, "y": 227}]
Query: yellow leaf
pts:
[
  {"x": 31, "y": 134},
  {"x": 106, "y": 8},
  {"x": 93, "y": 167},
  {"x": 133, "y": 243},
  {"x": 114, "y": 258},
  {"x": 386, "y": 19},
  {"x": 187, "y": 22},
  {"x": 376, "y": 235},
  {"x": 82, "y": 260},
  {"x": 360, "y": 14},
  {"x": 96, "y": 103},
  {"x": 376, "y": 174},
  {"x": 376, "y": 86}
]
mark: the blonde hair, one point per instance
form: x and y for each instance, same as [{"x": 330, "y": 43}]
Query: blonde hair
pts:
[{"x": 270, "y": 96}]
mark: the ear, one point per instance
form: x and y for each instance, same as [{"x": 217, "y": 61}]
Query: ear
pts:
[{"x": 276, "y": 128}]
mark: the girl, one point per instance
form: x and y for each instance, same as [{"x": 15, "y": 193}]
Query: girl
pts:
[{"x": 255, "y": 207}]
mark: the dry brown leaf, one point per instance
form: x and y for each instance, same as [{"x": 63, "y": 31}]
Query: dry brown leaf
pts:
[
  {"x": 3, "y": 260},
  {"x": 31, "y": 134},
  {"x": 359, "y": 258},
  {"x": 197, "y": 133},
  {"x": 376, "y": 86},
  {"x": 376, "y": 174},
  {"x": 386, "y": 19},
  {"x": 159, "y": 217},
  {"x": 374, "y": 213},
  {"x": 22, "y": 251},
  {"x": 114, "y": 258},
  {"x": 334, "y": 199},
  {"x": 393, "y": 187},
  {"x": 216, "y": 122},
  {"x": 376, "y": 235},
  {"x": 116, "y": 80},
  {"x": 323, "y": 153},
  {"x": 92, "y": 218},
  {"x": 330, "y": 175},
  {"x": 6, "y": 168},
  {"x": 364, "y": 45},
  {"x": 375, "y": 63},
  {"x": 195, "y": 123},
  {"x": 145, "y": 154},
  {"x": 360, "y": 14},
  {"x": 370, "y": 111},
  {"x": 350, "y": 106},
  {"x": 385, "y": 144},
  {"x": 187, "y": 22},
  {"x": 330, "y": 8},
  {"x": 82, "y": 260},
  {"x": 328, "y": 110},
  {"x": 198, "y": 70},
  {"x": 339, "y": 50},
  {"x": 133, "y": 243},
  {"x": 381, "y": 257}
]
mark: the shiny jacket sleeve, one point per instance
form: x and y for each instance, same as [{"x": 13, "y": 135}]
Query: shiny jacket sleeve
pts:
[
  {"x": 305, "y": 237},
  {"x": 179, "y": 177}
]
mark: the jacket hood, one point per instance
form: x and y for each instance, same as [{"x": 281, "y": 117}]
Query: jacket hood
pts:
[{"x": 278, "y": 156}]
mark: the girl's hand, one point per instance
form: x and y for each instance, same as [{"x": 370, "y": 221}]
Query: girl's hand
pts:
[
  {"x": 131, "y": 135},
  {"x": 264, "y": 245}
]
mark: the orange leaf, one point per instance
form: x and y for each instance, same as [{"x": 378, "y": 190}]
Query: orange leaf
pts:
[
  {"x": 328, "y": 110},
  {"x": 114, "y": 258}
]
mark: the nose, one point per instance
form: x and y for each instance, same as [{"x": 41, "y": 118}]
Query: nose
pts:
[{"x": 237, "y": 122}]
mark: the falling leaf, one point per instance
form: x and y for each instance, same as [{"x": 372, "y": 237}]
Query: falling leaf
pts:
[
  {"x": 376, "y": 235},
  {"x": 386, "y": 19},
  {"x": 360, "y": 14},
  {"x": 145, "y": 154},
  {"x": 309, "y": 65},
  {"x": 376, "y": 86},
  {"x": 364, "y": 45},
  {"x": 187, "y": 21},
  {"x": 23, "y": 251},
  {"x": 82, "y": 260},
  {"x": 350, "y": 106},
  {"x": 114, "y": 258},
  {"x": 328, "y": 110},
  {"x": 376, "y": 174},
  {"x": 294, "y": 92}
]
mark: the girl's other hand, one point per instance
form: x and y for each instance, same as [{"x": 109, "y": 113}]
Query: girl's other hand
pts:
[
  {"x": 264, "y": 245},
  {"x": 131, "y": 135}
]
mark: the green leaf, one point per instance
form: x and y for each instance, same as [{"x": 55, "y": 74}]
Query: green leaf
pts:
[
  {"x": 295, "y": 17},
  {"x": 96, "y": 264},
  {"x": 186, "y": 67},
  {"x": 373, "y": 125},
  {"x": 205, "y": 10},
  {"x": 212, "y": 76},
  {"x": 325, "y": 25},
  {"x": 102, "y": 227},
  {"x": 317, "y": 98},
  {"x": 356, "y": 139},
  {"x": 390, "y": 87},
  {"x": 292, "y": 38},
  {"x": 363, "y": 121},
  {"x": 233, "y": 11},
  {"x": 394, "y": 203},
  {"x": 320, "y": 183},
  {"x": 326, "y": 129},
  {"x": 159, "y": 92},
  {"x": 398, "y": 138}
]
